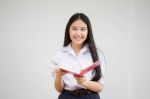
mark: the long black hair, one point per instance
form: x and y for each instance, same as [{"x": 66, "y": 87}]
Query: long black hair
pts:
[{"x": 89, "y": 40}]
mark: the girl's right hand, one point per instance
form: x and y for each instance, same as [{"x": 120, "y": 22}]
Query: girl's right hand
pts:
[{"x": 59, "y": 72}]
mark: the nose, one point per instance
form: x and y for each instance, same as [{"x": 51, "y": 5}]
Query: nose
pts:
[{"x": 78, "y": 32}]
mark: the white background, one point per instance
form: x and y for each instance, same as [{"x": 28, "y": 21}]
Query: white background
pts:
[{"x": 32, "y": 30}]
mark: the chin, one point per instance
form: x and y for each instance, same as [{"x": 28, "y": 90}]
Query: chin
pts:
[{"x": 78, "y": 43}]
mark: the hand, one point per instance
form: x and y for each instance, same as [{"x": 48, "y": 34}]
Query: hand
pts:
[
  {"x": 59, "y": 72},
  {"x": 81, "y": 80}
]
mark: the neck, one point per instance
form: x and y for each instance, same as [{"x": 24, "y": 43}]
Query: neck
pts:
[{"x": 76, "y": 48}]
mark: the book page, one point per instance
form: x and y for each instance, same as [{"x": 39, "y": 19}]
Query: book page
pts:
[
  {"x": 90, "y": 67},
  {"x": 68, "y": 71},
  {"x": 83, "y": 71}
]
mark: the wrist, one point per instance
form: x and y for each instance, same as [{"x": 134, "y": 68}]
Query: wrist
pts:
[
  {"x": 59, "y": 76},
  {"x": 85, "y": 83}
]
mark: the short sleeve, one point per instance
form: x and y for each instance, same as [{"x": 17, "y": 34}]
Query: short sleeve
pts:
[
  {"x": 54, "y": 63},
  {"x": 102, "y": 65}
]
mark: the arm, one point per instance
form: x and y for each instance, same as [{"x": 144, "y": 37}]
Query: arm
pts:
[
  {"x": 58, "y": 83},
  {"x": 91, "y": 85}
]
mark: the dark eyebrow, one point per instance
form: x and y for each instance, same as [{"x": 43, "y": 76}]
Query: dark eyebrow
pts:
[
  {"x": 77, "y": 27},
  {"x": 73, "y": 27}
]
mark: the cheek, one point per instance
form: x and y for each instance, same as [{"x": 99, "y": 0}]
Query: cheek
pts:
[
  {"x": 85, "y": 35},
  {"x": 71, "y": 32},
  {"x": 71, "y": 35}
]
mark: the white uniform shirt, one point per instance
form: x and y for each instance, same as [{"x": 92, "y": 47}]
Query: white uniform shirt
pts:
[{"x": 67, "y": 58}]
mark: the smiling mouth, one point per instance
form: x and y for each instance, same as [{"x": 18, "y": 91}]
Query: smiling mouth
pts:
[{"x": 78, "y": 38}]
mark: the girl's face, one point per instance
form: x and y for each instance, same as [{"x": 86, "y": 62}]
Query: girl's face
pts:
[{"x": 78, "y": 32}]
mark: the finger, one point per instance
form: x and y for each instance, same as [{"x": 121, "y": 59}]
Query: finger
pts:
[
  {"x": 57, "y": 69},
  {"x": 76, "y": 77}
]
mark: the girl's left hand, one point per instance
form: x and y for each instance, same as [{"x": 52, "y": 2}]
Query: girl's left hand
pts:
[{"x": 81, "y": 80}]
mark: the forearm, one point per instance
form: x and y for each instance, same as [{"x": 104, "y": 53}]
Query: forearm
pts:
[
  {"x": 59, "y": 84},
  {"x": 93, "y": 86}
]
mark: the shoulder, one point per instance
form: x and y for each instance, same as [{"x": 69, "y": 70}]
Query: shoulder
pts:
[
  {"x": 101, "y": 55},
  {"x": 100, "y": 52},
  {"x": 102, "y": 59},
  {"x": 59, "y": 52}
]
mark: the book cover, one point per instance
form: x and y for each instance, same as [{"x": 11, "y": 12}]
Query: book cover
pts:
[{"x": 83, "y": 71}]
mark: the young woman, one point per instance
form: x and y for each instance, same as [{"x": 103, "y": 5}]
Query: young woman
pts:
[{"x": 78, "y": 51}]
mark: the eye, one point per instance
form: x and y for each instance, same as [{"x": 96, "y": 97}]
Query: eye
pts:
[
  {"x": 83, "y": 29},
  {"x": 73, "y": 28}
]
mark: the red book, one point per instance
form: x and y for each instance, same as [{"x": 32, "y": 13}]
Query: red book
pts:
[{"x": 83, "y": 71}]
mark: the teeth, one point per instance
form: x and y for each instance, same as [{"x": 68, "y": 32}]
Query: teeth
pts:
[{"x": 78, "y": 38}]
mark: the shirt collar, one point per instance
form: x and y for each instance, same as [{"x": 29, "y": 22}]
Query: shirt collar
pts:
[{"x": 69, "y": 49}]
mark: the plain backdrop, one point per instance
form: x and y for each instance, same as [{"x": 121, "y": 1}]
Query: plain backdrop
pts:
[{"x": 32, "y": 30}]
